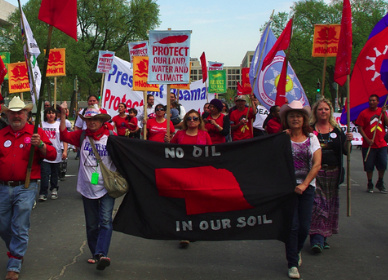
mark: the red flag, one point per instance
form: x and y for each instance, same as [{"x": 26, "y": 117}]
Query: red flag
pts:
[
  {"x": 3, "y": 70},
  {"x": 281, "y": 88},
  {"x": 204, "y": 67},
  {"x": 282, "y": 43},
  {"x": 61, "y": 14},
  {"x": 245, "y": 81},
  {"x": 240, "y": 90},
  {"x": 344, "y": 54}
]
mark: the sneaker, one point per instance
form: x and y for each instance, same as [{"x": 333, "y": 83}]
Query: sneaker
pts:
[
  {"x": 42, "y": 197},
  {"x": 380, "y": 186},
  {"x": 293, "y": 273},
  {"x": 326, "y": 245},
  {"x": 300, "y": 259},
  {"x": 54, "y": 193},
  {"x": 370, "y": 188},
  {"x": 316, "y": 249}
]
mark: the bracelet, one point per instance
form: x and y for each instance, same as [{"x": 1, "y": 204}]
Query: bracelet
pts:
[{"x": 41, "y": 144}]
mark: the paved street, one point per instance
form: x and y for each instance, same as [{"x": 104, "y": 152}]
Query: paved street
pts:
[{"x": 58, "y": 249}]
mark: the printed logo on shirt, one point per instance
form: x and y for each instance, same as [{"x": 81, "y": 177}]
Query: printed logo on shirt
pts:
[{"x": 50, "y": 132}]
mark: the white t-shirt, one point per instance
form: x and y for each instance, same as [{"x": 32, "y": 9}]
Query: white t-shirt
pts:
[
  {"x": 88, "y": 165},
  {"x": 52, "y": 132},
  {"x": 262, "y": 114}
]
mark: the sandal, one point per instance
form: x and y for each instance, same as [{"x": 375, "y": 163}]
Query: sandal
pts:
[
  {"x": 92, "y": 261},
  {"x": 102, "y": 263}
]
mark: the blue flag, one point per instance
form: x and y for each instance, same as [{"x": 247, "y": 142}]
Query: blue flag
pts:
[{"x": 267, "y": 79}]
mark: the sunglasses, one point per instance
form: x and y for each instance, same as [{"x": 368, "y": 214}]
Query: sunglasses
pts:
[
  {"x": 192, "y": 119},
  {"x": 159, "y": 109}
]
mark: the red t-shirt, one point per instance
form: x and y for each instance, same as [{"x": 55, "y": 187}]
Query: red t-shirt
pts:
[
  {"x": 274, "y": 126},
  {"x": 156, "y": 131},
  {"x": 213, "y": 131},
  {"x": 367, "y": 119},
  {"x": 122, "y": 124},
  {"x": 242, "y": 132},
  {"x": 15, "y": 151},
  {"x": 202, "y": 138}
]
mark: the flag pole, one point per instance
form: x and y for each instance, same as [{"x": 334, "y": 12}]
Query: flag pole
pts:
[
  {"x": 145, "y": 114},
  {"x": 324, "y": 76},
  {"x": 102, "y": 88},
  {"x": 348, "y": 145},
  {"x": 39, "y": 106},
  {"x": 168, "y": 111},
  {"x": 31, "y": 75}
]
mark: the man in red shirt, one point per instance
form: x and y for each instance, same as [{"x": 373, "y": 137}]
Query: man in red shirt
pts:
[
  {"x": 240, "y": 123},
  {"x": 372, "y": 129},
  {"x": 16, "y": 201}
]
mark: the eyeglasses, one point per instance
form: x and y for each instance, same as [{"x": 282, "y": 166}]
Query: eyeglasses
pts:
[
  {"x": 192, "y": 119},
  {"x": 159, "y": 109}
]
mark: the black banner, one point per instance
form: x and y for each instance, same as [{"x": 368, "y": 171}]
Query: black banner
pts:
[{"x": 231, "y": 191}]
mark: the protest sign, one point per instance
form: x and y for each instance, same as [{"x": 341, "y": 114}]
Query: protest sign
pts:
[
  {"x": 169, "y": 57},
  {"x": 139, "y": 48},
  {"x": 57, "y": 63},
  {"x": 140, "y": 74},
  {"x": 217, "y": 81},
  {"x": 18, "y": 77},
  {"x": 105, "y": 60},
  {"x": 326, "y": 38}
]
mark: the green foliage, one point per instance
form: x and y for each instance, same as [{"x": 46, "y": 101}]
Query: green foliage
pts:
[
  {"x": 307, "y": 13},
  {"x": 102, "y": 25}
]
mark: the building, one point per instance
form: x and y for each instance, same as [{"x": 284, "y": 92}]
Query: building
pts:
[
  {"x": 5, "y": 11},
  {"x": 233, "y": 73}
]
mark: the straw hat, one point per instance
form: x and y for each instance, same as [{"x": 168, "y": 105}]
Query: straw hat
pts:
[
  {"x": 93, "y": 112},
  {"x": 294, "y": 105},
  {"x": 240, "y": 97},
  {"x": 16, "y": 104}
]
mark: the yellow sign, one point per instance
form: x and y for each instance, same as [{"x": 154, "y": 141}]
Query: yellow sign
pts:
[
  {"x": 140, "y": 74},
  {"x": 57, "y": 63},
  {"x": 326, "y": 38},
  {"x": 18, "y": 77}
]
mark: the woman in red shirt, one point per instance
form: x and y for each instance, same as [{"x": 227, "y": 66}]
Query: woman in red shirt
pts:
[
  {"x": 123, "y": 122},
  {"x": 157, "y": 127},
  {"x": 193, "y": 132},
  {"x": 217, "y": 124}
]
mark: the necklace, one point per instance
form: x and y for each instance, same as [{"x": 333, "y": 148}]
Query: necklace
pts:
[{"x": 324, "y": 142}]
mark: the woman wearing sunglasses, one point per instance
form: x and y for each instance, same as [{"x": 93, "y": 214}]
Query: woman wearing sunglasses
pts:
[
  {"x": 157, "y": 127},
  {"x": 193, "y": 131}
]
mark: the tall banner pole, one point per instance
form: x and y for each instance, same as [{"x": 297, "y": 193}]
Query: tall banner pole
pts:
[
  {"x": 102, "y": 89},
  {"x": 168, "y": 110},
  {"x": 39, "y": 107},
  {"x": 55, "y": 93},
  {"x": 349, "y": 144},
  {"x": 324, "y": 76},
  {"x": 145, "y": 114}
]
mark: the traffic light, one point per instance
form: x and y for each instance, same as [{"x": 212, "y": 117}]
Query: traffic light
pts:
[{"x": 318, "y": 87}]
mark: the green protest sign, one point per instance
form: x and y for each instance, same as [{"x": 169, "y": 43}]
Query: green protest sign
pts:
[
  {"x": 217, "y": 81},
  {"x": 6, "y": 57}
]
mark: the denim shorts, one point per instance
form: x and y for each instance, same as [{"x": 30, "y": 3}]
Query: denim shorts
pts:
[{"x": 376, "y": 157}]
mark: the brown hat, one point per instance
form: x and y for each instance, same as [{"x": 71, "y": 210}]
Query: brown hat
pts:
[{"x": 94, "y": 113}]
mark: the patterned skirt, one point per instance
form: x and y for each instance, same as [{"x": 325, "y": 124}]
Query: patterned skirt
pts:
[{"x": 326, "y": 203}]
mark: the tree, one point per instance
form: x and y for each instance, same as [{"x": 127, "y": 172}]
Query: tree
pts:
[
  {"x": 102, "y": 25},
  {"x": 307, "y": 13}
]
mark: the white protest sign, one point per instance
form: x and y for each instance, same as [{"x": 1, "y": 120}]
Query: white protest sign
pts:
[
  {"x": 139, "y": 48},
  {"x": 118, "y": 89},
  {"x": 169, "y": 57},
  {"x": 105, "y": 60},
  {"x": 357, "y": 138}
]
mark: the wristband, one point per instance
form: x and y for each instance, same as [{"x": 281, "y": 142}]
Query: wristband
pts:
[{"x": 41, "y": 144}]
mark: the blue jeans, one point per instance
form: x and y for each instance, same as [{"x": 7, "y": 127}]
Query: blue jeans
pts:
[
  {"x": 317, "y": 239},
  {"x": 46, "y": 170},
  {"x": 300, "y": 226},
  {"x": 15, "y": 210},
  {"x": 98, "y": 216}
]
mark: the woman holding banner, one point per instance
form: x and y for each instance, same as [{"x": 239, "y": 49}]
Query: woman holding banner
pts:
[
  {"x": 333, "y": 142},
  {"x": 157, "y": 127},
  {"x": 306, "y": 153},
  {"x": 216, "y": 123}
]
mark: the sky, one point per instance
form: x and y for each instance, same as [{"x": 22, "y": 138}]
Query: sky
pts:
[{"x": 224, "y": 29}]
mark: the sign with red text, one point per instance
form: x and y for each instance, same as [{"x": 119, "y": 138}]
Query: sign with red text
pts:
[
  {"x": 169, "y": 57},
  {"x": 118, "y": 88},
  {"x": 326, "y": 38},
  {"x": 139, "y": 48},
  {"x": 105, "y": 60},
  {"x": 140, "y": 74},
  {"x": 214, "y": 65},
  {"x": 18, "y": 77},
  {"x": 57, "y": 63},
  {"x": 246, "y": 84}
]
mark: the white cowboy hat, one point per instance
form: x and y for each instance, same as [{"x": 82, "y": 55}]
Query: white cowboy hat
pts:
[
  {"x": 16, "y": 104},
  {"x": 94, "y": 113},
  {"x": 294, "y": 105}
]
